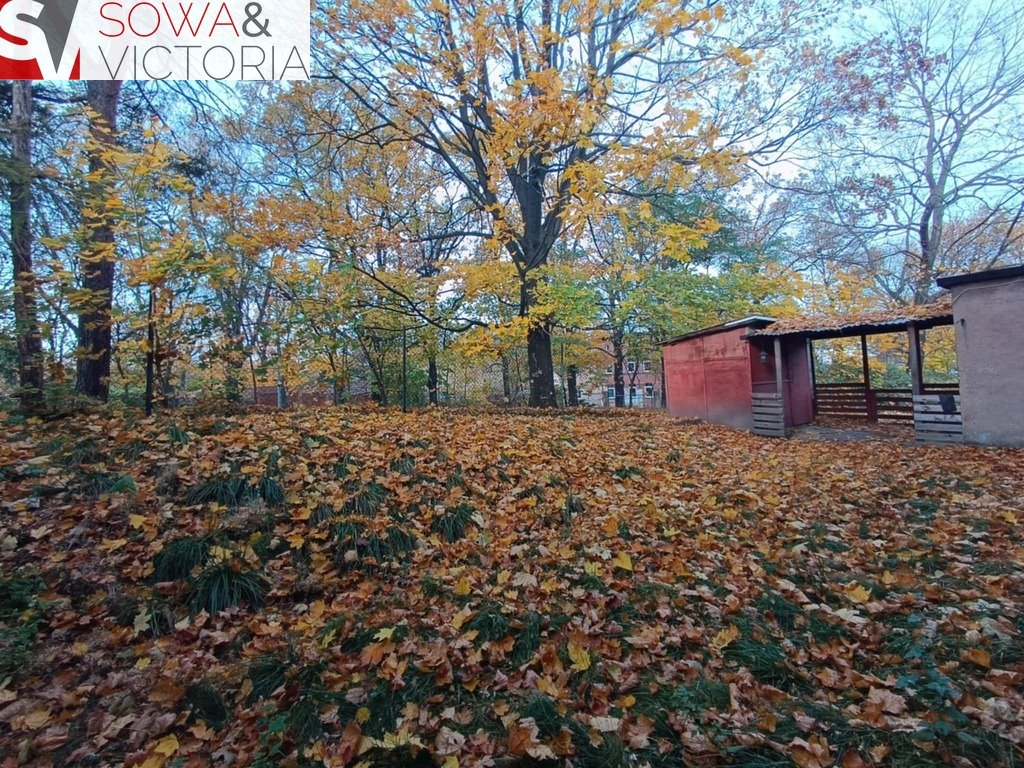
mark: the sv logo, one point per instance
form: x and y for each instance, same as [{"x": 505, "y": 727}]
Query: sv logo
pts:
[{"x": 46, "y": 29}]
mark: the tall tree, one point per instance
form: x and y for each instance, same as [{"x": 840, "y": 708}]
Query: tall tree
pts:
[
  {"x": 30, "y": 346},
  {"x": 98, "y": 253},
  {"x": 538, "y": 108},
  {"x": 925, "y": 172}
]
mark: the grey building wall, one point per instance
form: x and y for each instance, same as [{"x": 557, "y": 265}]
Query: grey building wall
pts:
[{"x": 989, "y": 322}]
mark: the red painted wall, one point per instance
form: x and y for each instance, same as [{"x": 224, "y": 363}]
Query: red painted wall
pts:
[
  {"x": 799, "y": 387},
  {"x": 796, "y": 377},
  {"x": 708, "y": 377},
  {"x": 711, "y": 378}
]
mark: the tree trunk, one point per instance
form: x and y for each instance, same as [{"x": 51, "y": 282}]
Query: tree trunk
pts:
[
  {"x": 506, "y": 379},
  {"x": 150, "y": 355},
  {"x": 664, "y": 385},
  {"x": 539, "y": 360},
  {"x": 232, "y": 387},
  {"x": 432, "y": 380},
  {"x": 282, "y": 393},
  {"x": 335, "y": 382},
  {"x": 574, "y": 392},
  {"x": 618, "y": 365},
  {"x": 542, "y": 368},
  {"x": 26, "y": 321},
  {"x": 94, "y": 316}
]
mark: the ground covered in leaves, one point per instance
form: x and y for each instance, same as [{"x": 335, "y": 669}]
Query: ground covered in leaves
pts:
[{"x": 460, "y": 589}]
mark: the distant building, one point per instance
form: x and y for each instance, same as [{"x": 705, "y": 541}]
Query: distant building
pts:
[{"x": 642, "y": 379}]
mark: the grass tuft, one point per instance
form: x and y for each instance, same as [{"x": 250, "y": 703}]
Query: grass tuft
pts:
[
  {"x": 180, "y": 557},
  {"x": 453, "y": 524},
  {"x": 227, "y": 584},
  {"x": 207, "y": 704}
]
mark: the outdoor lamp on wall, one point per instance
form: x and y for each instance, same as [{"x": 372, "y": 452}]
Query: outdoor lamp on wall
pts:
[{"x": 764, "y": 356}]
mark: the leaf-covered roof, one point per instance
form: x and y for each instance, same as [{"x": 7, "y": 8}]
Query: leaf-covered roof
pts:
[{"x": 881, "y": 321}]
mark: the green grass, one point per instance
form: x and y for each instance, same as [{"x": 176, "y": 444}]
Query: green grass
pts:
[
  {"x": 180, "y": 557},
  {"x": 227, "y": 584},
  {"x": 21, "y": 617},
  {"x": 453, "y": 524},
  {"x": 206, "y": 704}
]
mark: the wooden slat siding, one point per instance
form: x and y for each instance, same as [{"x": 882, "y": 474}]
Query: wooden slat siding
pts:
[
  {"x": 769, "y": 414},
  {"x": 933, "y": 424},
  {"x": 893, "y": 405}
]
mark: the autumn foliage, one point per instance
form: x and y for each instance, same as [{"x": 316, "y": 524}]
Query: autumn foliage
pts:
[{"x": 346, "y": 587}]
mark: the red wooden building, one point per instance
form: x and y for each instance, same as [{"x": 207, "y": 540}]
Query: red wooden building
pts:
[
  {"x": 758, "y": 373},
  {"x": 712, "y": 374}
]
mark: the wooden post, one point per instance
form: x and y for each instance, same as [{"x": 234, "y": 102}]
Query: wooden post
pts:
[
  {"x": 814, "y": 377},
  {"x": 916, "y": 377},
  {"x": 869, "y": 396},
  {"x": 405, "y": 371},
  {"x": 864, "y": 361},
  {"x": 778, "y": 365}
]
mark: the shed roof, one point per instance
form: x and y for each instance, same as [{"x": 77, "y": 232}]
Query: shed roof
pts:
[
  {"x": 754, "y": 321},
  {"x": 1003, "y": 273},
  {"x": 838, "y": 326}
]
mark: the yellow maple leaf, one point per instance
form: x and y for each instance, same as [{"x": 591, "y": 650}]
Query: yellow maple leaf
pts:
[
  {"x": 37, "y": 718},
  {"x": 724, "y": 637},
  {"x": 460, "y": 618},
  {"x": 623, "y": 561},
  {"x": 384, "y": 634},
  {"x": 978, "y": 656},
  {"x": 167, "y": 746},
  {"x": 463, "y": 587},
  {"x": 856, "y": 593},
  {"x": 580, "y": 658},
  {"x": 545, "y": 686}
]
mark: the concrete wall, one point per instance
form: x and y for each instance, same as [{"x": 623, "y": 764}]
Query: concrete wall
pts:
[
  {"x": 989, "y": 322},
  {"x": 708, "y": 377}
]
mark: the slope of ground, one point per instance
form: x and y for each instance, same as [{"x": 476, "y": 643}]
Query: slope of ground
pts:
[{"x": 449, "y": 588}]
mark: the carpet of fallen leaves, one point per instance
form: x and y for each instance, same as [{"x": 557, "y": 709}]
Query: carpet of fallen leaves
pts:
[{"x": 475, "y": 588}]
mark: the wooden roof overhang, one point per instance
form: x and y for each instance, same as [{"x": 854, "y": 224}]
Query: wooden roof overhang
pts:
[{"x": 922, "y": 317}]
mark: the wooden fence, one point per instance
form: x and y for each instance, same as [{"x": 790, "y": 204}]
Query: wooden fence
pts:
[
  {"x": 937, "y": 418},
  {"x": 769, "y": 414},
  {"x": 856, "y": 401}
]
